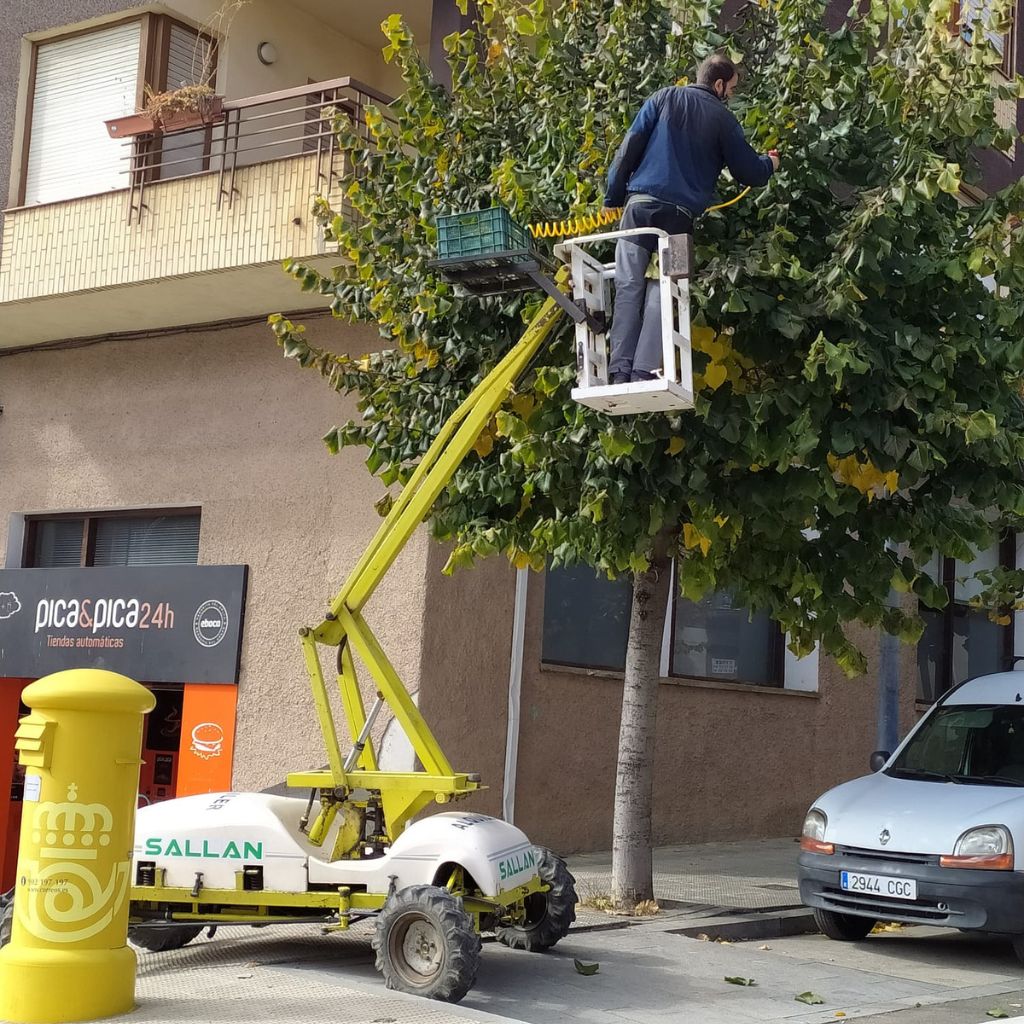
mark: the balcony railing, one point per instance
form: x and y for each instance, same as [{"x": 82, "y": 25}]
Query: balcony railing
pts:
[{"x": 291, "y": 122}]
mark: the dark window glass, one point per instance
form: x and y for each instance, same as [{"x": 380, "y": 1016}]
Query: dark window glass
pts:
[
  {"x": 971, "y": 743},
  {"x": 716, "y": 639},
  {"x": 586, "y": 623},
  {"x": 165, "y": 540},
  {"x": 57, "y": 543},
  {"x": 586, "y": 618}
]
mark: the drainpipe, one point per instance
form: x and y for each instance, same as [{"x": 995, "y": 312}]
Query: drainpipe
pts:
[
  {"x": 888, "y": 734},
  {"x": 515, "y": 685}
]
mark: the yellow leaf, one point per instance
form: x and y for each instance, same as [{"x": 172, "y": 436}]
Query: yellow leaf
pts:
[
  {"x": 715, "y": 375},
  {"x": 494, "y": 51},
  {"x": 484, "y": 445},
  {"x": 521, "y": 560},
  {"x": 892, "y": 481},
  {"x": 433, "y": 358},
  {"x": 675, "y": 446},
  {"x": 1002, "y": 620},
  {"x": 523, "y": 405},
  {"x": 721, "y": 520},
  {"x": 524, "y": 505},
  {"x": 693, "y": 538},
  {"x": 701, "y": 337},
  {"x": 363, "y": 363}
]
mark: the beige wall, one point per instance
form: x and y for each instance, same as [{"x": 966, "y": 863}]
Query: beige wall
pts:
[
  {"x": 222, "y": 421},
  {"x": 184, "y": 230}
]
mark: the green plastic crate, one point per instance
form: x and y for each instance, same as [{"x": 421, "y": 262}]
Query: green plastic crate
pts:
[{"x": 480, "y": 233}]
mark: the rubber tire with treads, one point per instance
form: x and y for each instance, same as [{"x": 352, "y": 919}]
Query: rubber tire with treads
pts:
[
  {"x": 1018, "y": 945},
  {"x": 444, "y": 926},
  {"x": 844, "y": 927},
  {"x": 162, "y": 939},
  {"x": 549, "y": 914}
]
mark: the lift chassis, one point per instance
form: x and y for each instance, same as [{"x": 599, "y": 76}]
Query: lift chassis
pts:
[{"x": 349, "y": 851}]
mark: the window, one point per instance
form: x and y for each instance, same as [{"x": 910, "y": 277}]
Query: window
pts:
[
  {"x": 586, "y": 625},
  {"x": 961, "y": 642},
  {"x": 969, "y": 17},
  {"x": 170, "y": 538},
  {"x": 78, "y": 81}
]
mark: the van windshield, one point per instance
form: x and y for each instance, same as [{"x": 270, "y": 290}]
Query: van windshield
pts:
[{"x": 970, "y": 744}]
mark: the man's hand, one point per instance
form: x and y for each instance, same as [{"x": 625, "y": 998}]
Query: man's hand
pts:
[{"x": 775, "y": 158}]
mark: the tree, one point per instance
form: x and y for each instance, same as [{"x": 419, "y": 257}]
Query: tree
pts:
[{"x": 857, "y": 381}]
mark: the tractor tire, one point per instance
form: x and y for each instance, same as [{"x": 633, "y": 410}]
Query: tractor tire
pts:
[
  {"x": 161, "y": 939},
  {"x": 426, "y": 944},
  {"x": 844, "y": 927},
  {"x": 549, "y": 915},
  {"x": 6, "y": 924}
]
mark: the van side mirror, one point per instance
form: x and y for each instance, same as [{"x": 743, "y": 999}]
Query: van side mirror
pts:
[{"x": 877, "y": 760}]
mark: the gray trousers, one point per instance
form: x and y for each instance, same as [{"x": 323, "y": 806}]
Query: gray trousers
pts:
[{"x": 635, "y": 334}]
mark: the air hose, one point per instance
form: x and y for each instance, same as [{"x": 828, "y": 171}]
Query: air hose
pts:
[{"x": 589, "y": 222}]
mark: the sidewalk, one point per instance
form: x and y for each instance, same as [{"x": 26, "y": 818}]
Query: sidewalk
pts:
[{"x": 753, "y": 876}]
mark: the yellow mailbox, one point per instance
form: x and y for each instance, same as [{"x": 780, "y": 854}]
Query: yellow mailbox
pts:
[{"x": 68, "y": 957}]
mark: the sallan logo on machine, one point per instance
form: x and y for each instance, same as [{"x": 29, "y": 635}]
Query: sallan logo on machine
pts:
[
  {"x": 517, "y": 864},
  {"x": 244, "y": 850}
]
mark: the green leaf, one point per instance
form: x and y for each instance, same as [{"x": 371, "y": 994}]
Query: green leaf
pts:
[
  {"x": 997, "y": 1012},
  {"x": 735, "y": 980},
  {"x": 616, "y": 444},
  {"x": 810, "y": 998},
  {"x": 586, "y": 969}
]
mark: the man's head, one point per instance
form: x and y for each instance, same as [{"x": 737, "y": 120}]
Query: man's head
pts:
[{"x": 718, "y": 74}]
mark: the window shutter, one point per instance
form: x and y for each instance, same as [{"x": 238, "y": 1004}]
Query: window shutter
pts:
[
  {"x": 58, "y": 543},
  {"x": 166, "y": 540},
  {"x": 80, "y": 82},
  {"x": 188, "y": 57}
]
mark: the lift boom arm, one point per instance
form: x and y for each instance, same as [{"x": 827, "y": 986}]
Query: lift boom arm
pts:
[{"x": 403, "y": 794}]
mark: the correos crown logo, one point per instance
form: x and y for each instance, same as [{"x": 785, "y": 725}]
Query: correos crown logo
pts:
[{"x": 210, "y": 624}]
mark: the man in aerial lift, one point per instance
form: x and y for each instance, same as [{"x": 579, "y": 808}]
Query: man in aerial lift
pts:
[{"x": 665, "y": 172}]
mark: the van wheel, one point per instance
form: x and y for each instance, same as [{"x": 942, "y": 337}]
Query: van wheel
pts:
[
  {"x": 161, "y": 939},
  {"x": 426, "y": 944},
  {"x": 549, "y": 915},
  {"x": 844, "y": 927},
  {"x": 1018, "y": 946}
]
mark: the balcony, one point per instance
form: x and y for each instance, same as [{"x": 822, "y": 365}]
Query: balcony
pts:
[{"x": 196, "y": 235}]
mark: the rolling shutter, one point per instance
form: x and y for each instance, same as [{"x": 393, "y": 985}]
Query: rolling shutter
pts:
[{"x": 79, "y": 82}]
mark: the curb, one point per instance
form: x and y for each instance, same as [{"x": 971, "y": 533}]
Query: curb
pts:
[{"x": 752, "y": 926}]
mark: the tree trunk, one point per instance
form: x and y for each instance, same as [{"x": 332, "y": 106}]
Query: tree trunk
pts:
[{"x": 632, "y": 871}]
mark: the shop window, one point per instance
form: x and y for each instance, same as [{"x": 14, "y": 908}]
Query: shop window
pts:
[
  {"x": 166, "y": 538},
  {"x": 961, "y": 642},
  {"x": 586, "y": 625}
]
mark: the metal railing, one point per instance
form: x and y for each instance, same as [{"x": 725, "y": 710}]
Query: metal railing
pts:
[{"x": 291, "y": 122}]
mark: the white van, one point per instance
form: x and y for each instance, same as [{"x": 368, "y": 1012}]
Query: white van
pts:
[{"x": 931, "y": 837}]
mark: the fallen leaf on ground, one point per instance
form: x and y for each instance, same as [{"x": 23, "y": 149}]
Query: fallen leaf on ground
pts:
[
  {"x": 647, "y": 908},
  {"x": 840, "y": 1013},
  {"x": 996, "y": 1012},
  {"x": 243, "y": 977},
  {"x": 810, "y": 998},
  {"x": 888, "y": 926},
  {"x": 588, "y": 969},
  {"x": 765, "y": 946},
  {"x": 741, "y": 981},
  {"x": 703, "y": 938}
]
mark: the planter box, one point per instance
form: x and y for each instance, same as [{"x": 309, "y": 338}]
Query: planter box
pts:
[
  {"x": 130, "y": 124},
  {"x": 178, "y": 121}
]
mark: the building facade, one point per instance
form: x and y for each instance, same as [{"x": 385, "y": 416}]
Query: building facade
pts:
[{"x": 151, "y": 431}]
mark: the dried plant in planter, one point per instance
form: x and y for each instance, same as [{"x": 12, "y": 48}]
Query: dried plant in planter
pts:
[{"x": 186, "y": 103}]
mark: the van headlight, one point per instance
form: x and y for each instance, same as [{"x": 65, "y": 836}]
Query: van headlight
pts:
[
  {"x": 989, "y": 847},
  {"x": 812, "y": 839}
]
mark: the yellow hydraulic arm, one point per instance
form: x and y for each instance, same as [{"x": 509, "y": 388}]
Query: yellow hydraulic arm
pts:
[{"x": 402, "y": 794}]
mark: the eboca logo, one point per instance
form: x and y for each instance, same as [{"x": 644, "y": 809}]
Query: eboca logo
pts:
[
  {"x": 207, "y": 740},
  {"x": 9, "y": 604},
  {"x": 210, "y": 623}
]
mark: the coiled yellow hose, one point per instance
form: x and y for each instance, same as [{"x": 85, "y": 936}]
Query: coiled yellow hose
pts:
[{"x": 588, "y": 222}]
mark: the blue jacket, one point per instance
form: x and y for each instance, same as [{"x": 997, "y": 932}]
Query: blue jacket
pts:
[{"x": 676, "y": 148}]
